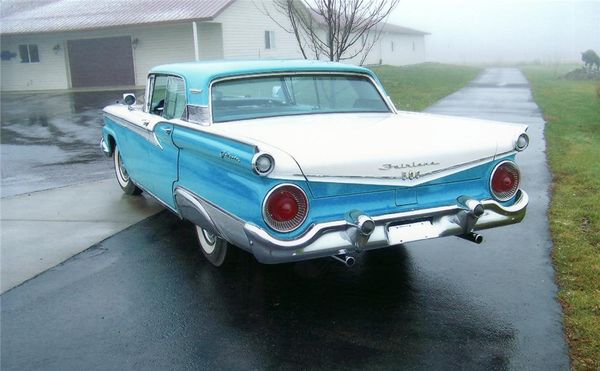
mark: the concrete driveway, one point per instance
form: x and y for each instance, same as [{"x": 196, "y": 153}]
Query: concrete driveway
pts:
[
  {"x": 146, "y": 299},
  {"x": 52, "y": 140}
]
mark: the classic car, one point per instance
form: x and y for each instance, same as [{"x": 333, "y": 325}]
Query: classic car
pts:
[{"x": 295, "y": 160}]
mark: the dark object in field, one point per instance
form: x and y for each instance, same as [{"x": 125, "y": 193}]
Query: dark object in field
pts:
[
  {"x": 583, "y": 73},
  {"x": 590, "y": 58}
]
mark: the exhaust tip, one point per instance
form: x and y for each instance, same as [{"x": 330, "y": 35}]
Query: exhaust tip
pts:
[
  {"x": 347, "y": 260},
  {"x": 350, "y": 261}
]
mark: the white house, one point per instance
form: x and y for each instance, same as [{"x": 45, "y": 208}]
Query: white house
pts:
[{"x": 64, "y": 44}]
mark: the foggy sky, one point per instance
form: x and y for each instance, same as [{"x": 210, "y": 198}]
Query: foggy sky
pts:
[{"x": 496, "y": 31}]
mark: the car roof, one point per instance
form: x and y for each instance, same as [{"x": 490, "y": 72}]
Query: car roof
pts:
[
  {"x": 220, "y": 68},
  {"x": 198, "y": 75}
]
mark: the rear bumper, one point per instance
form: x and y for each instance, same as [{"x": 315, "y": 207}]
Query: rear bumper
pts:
[
  {"x": 342, "y": 236},
  {"x": 338, "y": 237}
]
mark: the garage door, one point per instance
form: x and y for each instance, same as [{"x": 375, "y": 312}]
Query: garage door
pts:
[{"x": 101, "y": 62}]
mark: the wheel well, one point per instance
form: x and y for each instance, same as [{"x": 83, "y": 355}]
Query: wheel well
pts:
[{"x": 111, "y": 144}]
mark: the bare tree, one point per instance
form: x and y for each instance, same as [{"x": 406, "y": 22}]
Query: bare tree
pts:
[{"x": 336, "y": 29}]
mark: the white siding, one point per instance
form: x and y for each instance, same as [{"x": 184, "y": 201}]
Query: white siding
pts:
[
  {"x": 210, "y": 40},
  {"x": 403, "y": 52},
  {"x": 244, "y": 27},
  {"x": 49, "y": 73},
  {"x": 156, "y": 45}
]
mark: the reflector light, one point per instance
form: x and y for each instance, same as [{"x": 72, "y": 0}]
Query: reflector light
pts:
[
  {"x": 522, "y": 142},
  {"x": 263, "y": 164}
]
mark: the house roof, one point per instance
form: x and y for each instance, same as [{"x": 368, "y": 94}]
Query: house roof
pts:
[
  {"x": 383, "y": 26},
  {"x": 36, "y": 16},
  {"x": 394, "y": 28}
]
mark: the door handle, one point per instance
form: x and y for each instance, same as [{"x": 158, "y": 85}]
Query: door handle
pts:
[{"x": 167, "y": 131}]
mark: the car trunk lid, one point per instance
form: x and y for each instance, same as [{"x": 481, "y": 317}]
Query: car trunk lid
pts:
[{"x": 356, "y": 153}]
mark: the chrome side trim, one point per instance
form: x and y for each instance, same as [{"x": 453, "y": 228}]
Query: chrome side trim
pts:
[
  {"x": 211, "y": 217},
  {"x": 148, "y": 135},
  {"x": 191, "y": 209}
]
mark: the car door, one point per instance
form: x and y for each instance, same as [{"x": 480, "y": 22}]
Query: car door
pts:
[{"x": 165, "y": 101}]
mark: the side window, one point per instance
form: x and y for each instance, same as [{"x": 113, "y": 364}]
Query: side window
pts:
[
  {"x": 29, "y": 53},
  {"x": 175, "y": 98},
  {"x": 159, "y": 90},
  {"x": 269, "y": 39}
]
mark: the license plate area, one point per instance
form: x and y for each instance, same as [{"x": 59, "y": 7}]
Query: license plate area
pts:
[{"x": 411, "y": 231}]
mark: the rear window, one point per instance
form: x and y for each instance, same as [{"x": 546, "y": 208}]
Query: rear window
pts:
[{"x": 268, "y": 96}]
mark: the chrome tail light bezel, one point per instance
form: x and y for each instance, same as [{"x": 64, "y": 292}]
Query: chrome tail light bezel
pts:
[
  {"x": 303, "y": 209},
  {"x": 506, "y": 196}
]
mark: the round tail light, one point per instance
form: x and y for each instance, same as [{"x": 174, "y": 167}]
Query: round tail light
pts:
[
  {"x": 505, "y": 180},
  {"x": 285, "y": 208}
]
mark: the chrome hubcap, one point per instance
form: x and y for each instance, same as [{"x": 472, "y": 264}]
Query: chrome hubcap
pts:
[
  {"x": 208, "y": 240},
  {"x": 122, "y": 169},
  {"x": 211, "y": 238}
]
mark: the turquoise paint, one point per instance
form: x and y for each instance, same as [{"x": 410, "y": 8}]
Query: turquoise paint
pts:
[{"x": 220, "y": 169}]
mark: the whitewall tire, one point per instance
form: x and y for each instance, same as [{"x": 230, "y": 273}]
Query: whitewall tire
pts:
[
  {"x": 213, "y": 247},
  {"x": 122, "y": 175}
]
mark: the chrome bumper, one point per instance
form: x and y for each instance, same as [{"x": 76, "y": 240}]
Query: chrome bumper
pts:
[
  {"x": 105, "y": 148},
  {"x": 326, "y": 239}
]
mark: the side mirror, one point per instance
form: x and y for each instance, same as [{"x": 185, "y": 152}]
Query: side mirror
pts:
[{"x": 129, "y": 99}]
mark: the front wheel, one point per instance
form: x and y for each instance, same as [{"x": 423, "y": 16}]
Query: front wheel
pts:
[
  {"x": 213, "y": 247},
  {"x": 123, "y": 178}
]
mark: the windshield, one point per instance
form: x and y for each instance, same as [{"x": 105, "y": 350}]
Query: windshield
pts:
[{"x": 255, "y": 97}]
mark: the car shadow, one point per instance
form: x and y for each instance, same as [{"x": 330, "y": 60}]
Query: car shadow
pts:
[{"x": 380, "y": 313}]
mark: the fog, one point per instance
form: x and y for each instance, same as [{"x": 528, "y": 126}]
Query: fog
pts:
[{"x": 504, "y": 31}]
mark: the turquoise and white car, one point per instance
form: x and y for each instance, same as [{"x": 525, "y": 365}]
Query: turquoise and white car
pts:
[{"x": 295, "y": 160}]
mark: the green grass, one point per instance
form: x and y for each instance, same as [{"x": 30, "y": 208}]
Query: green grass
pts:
[
  {"x": 572, "y": 110},
  {"x": 415, "y": 87}
]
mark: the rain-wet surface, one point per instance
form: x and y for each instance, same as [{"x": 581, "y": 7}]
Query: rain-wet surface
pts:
[
  {"x": 146, "y": 299},
  {"x": 51, "y": 140}
]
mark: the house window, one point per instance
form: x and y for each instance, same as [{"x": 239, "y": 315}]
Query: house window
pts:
[
  {"x": 392, "y": 46},
  {"x": 269, "y": 39},
  {"x": 29, "y": 53}
]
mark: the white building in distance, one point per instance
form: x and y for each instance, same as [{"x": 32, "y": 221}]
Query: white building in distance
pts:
[{"x": 74, "y": 44}]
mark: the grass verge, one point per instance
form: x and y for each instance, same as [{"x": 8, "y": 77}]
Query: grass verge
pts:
[
  {"x": 572, "y": 112},
  {"x": 416, "y": 87}
]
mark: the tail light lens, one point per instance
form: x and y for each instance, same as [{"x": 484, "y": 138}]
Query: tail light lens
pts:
[
  {"x": 285, "y": 208},
  {"x": 505, "y": 181}
]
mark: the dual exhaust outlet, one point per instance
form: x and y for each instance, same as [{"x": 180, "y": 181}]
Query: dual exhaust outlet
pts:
[
  {"x": 360, "y": 229},
  {"x": 362, "y": 226}
]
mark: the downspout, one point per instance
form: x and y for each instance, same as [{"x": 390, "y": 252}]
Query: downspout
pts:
[{"x": 196, "y": 51}]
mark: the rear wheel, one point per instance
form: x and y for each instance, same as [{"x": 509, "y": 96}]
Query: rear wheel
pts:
[
  {"x": 123, "y": 178},
  {"x": 213, "y": 247}
]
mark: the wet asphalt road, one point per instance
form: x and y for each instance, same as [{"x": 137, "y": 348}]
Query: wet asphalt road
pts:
[
  {"x": 145, "y": 298},
  {"x": 51, "y": 140}
]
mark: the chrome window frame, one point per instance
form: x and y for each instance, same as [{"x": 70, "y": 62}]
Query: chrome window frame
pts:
[
  {"x": 379, "y": 89},
  {"x": 151, "y": 90}
]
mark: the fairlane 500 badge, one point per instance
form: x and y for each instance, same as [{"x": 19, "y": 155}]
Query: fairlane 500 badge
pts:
[
  {"x": 409, "y": 174},
  {"x": 228, "y": 156},
  {"x": 407, "y": 166}
]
